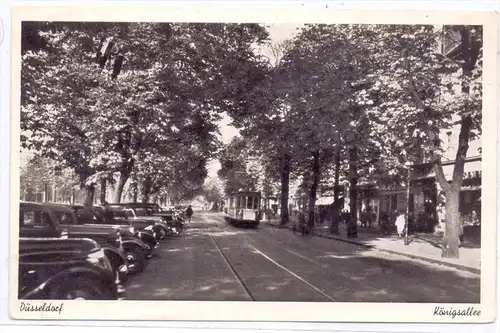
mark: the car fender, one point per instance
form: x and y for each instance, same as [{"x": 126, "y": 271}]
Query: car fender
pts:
[
  {"x": 131, "y": 242},
  {"x": 157, "y": 227},
  {"x": 147, "y": 238},
  {"x": 115, "y": 255},
  {"x": 42, "y": 291}
]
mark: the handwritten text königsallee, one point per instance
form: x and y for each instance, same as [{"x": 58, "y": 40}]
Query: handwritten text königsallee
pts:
[{"x": 469, "y": 312}]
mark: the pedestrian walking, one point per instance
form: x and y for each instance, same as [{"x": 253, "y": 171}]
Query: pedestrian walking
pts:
[
  {"x": 364, "y": 218},
  {"x": 302, "y": 223},
  {"x": 400, "y": 224},
  {"x": 189, "y": 213}
]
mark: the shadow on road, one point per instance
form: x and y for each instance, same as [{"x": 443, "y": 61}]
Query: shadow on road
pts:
[{"x": 292, "y": 268}]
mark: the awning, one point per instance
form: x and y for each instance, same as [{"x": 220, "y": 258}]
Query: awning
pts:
[
  {"x": 326, "y": 201},
  {"x": 472, "y": 169},
  {"x": 470, "y": 188}
]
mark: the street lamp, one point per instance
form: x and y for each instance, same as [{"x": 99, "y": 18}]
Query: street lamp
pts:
[{"x": 408, "y": 184}]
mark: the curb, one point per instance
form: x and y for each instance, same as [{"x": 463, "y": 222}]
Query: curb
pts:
[{"x": 412, "y": 256}]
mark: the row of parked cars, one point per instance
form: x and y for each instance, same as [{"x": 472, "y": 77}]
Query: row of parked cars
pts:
[{"x": 79, "y": 252}]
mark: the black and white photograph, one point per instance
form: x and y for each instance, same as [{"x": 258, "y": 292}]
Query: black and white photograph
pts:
[{"x": 251, "y": 162}]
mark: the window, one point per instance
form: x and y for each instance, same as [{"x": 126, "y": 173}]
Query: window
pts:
[
  {"x": 34, "y": 218},
  {"x": 120, "y": 214},
  {"x": 64, "y": 217},
  {"x": 44, "y": 221},
  {"x": 27, "y": 218},
  {"x": 250, "y": 202},
  {"x": 141, "y": 212},
  {"x": 129, "y": 213}
]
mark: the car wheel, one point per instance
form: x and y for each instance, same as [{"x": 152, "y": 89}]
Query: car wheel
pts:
[
  {"x": 120, "y": 278},
  {"x": 163, "y": 233},
  {"x": 136, "y": 260},
  {"x": 79, "y": 289}
]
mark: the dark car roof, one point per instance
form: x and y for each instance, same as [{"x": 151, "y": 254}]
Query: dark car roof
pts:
[
  {"x": 135, "y": 204},
  {"x": 56, "y": 244},
  {"x": 48, "y": 205},
  {"x": 118, "y": 207},
  {"x": 256, "y": 193}
]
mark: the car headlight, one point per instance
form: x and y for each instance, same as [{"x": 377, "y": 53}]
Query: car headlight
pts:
[
  {"x": 119, "y": 237},
  {"x": 149, "y": 227},
  {"x": 132, "y": 230},
  {"x": 98, "y": 258}
]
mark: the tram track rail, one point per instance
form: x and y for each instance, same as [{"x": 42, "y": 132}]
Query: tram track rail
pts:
[
  {"x": 233, "y": 270},
  {"x": 277, "y": 264}
]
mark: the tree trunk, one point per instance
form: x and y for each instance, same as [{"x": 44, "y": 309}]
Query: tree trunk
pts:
[
  {"x": 314, "y": 187},
  {"x": 452, "y": 228},
  {"x": 154, "y": 198},
  {"x": 146, "y": 190},
  {"x": 45, "y": 192},
  {"x": 285, "y": 183},
  {"x": 335, "y": 214},
  {"x": 122, "y": 180},
  {"x": 352, "y": 229},
  {"x": 89, "y": 190},
  {"x": 470, "y": 50},
  {"x": 135, "y": 192},
  {"x": 89, "y": 195},
  {"x": 103, "y": 190}
]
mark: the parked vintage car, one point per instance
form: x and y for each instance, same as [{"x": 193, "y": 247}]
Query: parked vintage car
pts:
[
  {"x": 87, "y": 216},
  {"x": 154, "y": 212},
  {"x": 140, "y": 214},
  {"x": 54, "y": 268},
  {"x": 122, "y": 215},
  {"x": 55, "y": 220}
]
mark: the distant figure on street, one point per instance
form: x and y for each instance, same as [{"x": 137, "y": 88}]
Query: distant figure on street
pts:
[
  {"x": 364, "y": 218},
  {"x": 400, "y": 224},
  {"x": 107, "y": 212},
  {"x": 385, "y": 224},
  {"x": 189, "y": 213},
  {"x": 302, "y": 223},
  {"x": 441, "y": 217}
]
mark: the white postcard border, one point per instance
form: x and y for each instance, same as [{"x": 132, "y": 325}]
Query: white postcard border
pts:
[{"x": 270, "y": 311}]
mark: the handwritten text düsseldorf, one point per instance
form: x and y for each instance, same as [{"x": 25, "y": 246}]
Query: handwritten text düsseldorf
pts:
[{"x": 45, "y": 307}]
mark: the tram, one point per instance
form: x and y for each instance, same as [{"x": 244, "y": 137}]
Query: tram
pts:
[{"x": 242, "y": 209}]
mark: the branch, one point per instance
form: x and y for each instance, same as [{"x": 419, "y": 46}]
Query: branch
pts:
[
  {"x": 438, "y": 170},
  {"x": 418, "y": 100}
]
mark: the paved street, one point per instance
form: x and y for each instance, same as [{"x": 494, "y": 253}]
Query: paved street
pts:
[{"x": 215, "y": 261}]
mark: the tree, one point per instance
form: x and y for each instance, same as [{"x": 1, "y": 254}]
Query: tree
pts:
[
  {"x": 421, "y": 99},
  {"x": 324, "y": 69},
  {"x": 39, "y": 174},
  {"x": 265, "y": 125},
  {"x": 213, "y": 193},
  {"x": 174, "y": 81},
  {"x": 234, "y": 172}
]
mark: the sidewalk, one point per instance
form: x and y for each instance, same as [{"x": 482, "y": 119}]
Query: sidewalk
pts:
[{"x": 421, "y": 247}]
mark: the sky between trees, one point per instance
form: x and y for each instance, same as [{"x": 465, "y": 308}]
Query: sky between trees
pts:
[{"x": 278, "y": 33}]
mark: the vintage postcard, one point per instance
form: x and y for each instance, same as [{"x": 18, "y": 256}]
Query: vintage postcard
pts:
[{"x": 255, "y": 164}]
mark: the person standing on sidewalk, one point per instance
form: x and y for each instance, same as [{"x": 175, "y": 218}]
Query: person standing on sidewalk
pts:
[
  {"x": 400, "y": 223},
  {"x": 441, "y": 216},
  {"x": 189, "y": 213}
]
